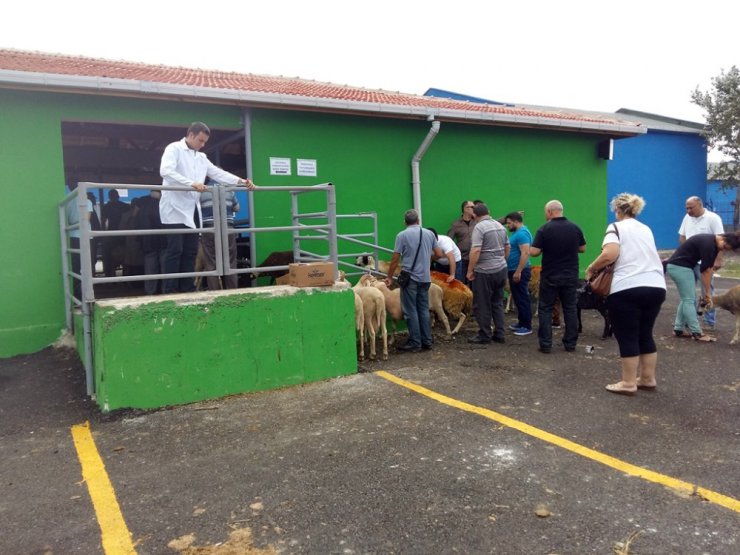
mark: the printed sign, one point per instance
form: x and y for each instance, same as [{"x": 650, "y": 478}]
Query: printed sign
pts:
[
  {"x": 279, "y": 166},
  {"x": 306, "y": 167}
]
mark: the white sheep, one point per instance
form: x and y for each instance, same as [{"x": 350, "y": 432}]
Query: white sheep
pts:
[{"x": 373, "y": 308}]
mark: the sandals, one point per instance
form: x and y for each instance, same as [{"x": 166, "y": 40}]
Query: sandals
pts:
[
  {"x": 703, "y": 337},
  {"x": 619, "y": 389}
]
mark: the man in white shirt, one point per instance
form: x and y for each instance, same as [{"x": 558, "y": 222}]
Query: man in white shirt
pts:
[
  {"x": 184, "y": 166},
  {"x": 450, "y": 262},
  {"x": 699, "y": 220}
]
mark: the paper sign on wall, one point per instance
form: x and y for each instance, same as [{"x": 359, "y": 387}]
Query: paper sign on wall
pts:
[
  {"x": 279, "y": 166},
  {"x": 306, "y": 167}
]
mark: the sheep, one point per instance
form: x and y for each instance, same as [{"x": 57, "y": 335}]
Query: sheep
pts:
[
  {"x": 277, "y": 258},
  {"x": 393, "y": 304},
  {"x": 457, "y": 298},
  {"x": 373, "y": 308},
  {"x": 368, "y": 262},
  {"x": 730, "y": 301},
  {"x": 360, "y": 326}
]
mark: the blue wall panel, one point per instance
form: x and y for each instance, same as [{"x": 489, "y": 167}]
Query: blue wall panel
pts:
[{"x": 665, "y": 169}]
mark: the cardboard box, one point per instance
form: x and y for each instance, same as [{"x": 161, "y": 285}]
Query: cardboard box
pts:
[{"x": 311, "y": 274}]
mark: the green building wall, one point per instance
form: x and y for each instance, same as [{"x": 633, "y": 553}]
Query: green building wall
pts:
[
  {"x": 32, "y": 184},
  {"x": 367, "y": 159},
  {"x": 369, "y": 162}
]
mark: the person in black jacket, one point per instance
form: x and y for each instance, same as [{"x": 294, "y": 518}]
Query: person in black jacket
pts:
[
  {"x": 152, "y": 245},
  {"x": 702, "y": 249}
]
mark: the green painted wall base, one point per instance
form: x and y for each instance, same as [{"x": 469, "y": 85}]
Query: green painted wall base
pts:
[{"x": 158, "y": 351}]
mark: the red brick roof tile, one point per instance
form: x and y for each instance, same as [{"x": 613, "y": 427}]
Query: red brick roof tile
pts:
[{"x": 57, "y": 64}]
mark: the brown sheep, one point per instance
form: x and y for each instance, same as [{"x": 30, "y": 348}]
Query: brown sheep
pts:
[
  {"x": 457, "y": 298},
  {"x": 730, "y": 301}
]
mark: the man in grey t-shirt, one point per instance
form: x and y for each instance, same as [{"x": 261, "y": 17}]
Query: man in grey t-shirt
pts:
[
  {"x": 489, "y": 249},
  {"x": 416, "y": 245}
]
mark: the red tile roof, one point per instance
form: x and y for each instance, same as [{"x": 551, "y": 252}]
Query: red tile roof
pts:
[{"x": 57, "y": 64}]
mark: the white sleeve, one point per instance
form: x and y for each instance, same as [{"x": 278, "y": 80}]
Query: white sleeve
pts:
[
  {"x": 682, "y": 229},
  {"x": 219, "y": 175},
  {"x": 717, "y": 226}
]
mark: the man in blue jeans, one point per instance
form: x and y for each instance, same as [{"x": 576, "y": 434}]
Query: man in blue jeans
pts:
[
  {"x": 559, "y": 241},
  {"x": 520, "y": 272},
  {"x": 415, "y": 245}
]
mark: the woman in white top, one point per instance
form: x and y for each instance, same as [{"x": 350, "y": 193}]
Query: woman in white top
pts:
[{"x": 637, "y": 292}]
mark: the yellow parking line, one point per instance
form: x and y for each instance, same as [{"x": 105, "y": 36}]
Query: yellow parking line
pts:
[
  {"x": 627, "y": 468},
  {"x": 116, "y": 537}
]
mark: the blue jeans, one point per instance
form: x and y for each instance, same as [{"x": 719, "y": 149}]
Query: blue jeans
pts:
[
  {"x": 686, "y": 313},
  {"x": 520, "y": 293},
  {"x": 710, "y": 316},
  {"x": 415, "y": 305},
  {"x": 180, "y": 253},
  {"x": 549, "y": 292}
]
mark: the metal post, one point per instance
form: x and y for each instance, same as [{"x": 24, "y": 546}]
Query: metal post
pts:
[
  {"x": 332, "y": 217},
  {"x": 294, "y": 221},
  {"x": 65, "y": 265},
  {"x": 219, "y": 225}
]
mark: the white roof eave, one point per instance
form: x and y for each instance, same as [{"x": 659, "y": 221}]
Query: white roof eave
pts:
[{"x": 154, "y": 88}]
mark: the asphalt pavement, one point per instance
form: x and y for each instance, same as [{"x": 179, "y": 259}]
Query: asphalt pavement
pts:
[{"x": 462, "y": 449}]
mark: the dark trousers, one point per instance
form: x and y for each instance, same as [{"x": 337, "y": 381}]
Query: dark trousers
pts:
[
  {"x": 230, "y": 281},
  {"x": 415, "y": 305},
  {"x": 154, "y": 263},
  {"x": 179, "y": 257},
  {"x": 549, "y": 292},
  {"x": 632, "y": 313},
  {"x": 520, "y": 293},
  {"x": 488, "y": 303}
]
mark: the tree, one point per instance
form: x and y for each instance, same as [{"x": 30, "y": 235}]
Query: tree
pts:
[{"x": 722, "y": 106}]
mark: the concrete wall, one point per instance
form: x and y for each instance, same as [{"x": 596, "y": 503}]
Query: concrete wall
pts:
[{"x": 158, "y": 351}]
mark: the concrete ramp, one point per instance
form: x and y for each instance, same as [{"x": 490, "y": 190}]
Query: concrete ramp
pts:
[{"x": 152, "y": 352}]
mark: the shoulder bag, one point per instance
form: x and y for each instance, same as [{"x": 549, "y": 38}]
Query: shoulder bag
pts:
[
  {"x": 405, "y": 276},
  {"x": 601, "y": 281}
]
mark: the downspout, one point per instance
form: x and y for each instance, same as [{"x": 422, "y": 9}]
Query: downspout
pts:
[{"x": 415, "y": 180}]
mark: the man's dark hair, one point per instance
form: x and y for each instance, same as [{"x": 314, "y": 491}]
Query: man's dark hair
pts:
[
  {"x": 478, "y": 202},
  {"x": 732, "y": 239},
  {"x": 198, "y": 127},
  {"x": 436, "y": 235},
  {"x": 480, "y": 209},
  {"x": 113, "y": 195},
  {"x": 411, "y": 217},
  {"x": 514, "y": 217}
]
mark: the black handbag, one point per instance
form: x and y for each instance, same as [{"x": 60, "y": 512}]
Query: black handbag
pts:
[{"x": 404, "y": 276}]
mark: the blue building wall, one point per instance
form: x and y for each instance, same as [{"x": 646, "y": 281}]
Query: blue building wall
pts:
[
  {"x": 721, "y": 201},
  {"x": 665, "y": 169}
]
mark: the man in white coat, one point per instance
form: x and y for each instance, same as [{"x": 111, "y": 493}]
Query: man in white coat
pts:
[{"x": 184, "y": 165}]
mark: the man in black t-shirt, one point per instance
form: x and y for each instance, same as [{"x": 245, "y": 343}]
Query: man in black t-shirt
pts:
[{"x": 559, "y": 241}]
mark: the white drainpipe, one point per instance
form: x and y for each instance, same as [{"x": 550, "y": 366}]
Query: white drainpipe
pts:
[{"x": 415, "y": 180}]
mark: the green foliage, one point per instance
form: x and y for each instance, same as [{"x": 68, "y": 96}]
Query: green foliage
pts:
[{"x": 722, "y": 106}]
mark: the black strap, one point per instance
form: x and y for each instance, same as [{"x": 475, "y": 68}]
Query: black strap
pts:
[{"x": 418, "y": 248}]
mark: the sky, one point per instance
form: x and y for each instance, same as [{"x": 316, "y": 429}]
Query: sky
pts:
[{"x": 646, "y": 55}]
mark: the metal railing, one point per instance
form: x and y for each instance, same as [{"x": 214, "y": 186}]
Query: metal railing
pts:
[{"x": 77, "y": 267}]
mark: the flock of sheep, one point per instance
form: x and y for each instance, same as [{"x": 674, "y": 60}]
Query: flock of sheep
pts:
[{"x": 374, "y": 301}]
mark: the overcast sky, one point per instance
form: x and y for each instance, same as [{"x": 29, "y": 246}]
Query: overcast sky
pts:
[{"x": 646, "y": 55}]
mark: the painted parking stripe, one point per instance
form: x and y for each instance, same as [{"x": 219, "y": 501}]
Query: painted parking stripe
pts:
[
  {"x": 116, "y": 538},
  {"x": 627, "y": 468}
]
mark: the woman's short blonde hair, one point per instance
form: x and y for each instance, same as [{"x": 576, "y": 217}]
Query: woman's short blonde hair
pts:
[{"x": 628, "y": 204}]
